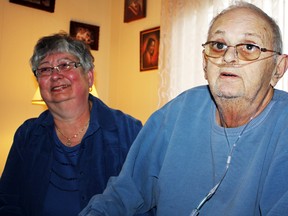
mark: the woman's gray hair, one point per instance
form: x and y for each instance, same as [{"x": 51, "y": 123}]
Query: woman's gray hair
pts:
[
  {"x": 62, "y": 42},
  {"x": 275, "y": 30}
]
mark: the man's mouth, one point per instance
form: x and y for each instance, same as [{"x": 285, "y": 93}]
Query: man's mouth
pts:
[{"x": 226, "y": 74}]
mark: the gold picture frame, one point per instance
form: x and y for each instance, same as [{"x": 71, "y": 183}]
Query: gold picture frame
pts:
[
  {"x": 149, "y": 48},
  {"x": 46, "y": 5},
  {"x": 86, "y": 32},
  {"x": 134, "y": 10}
]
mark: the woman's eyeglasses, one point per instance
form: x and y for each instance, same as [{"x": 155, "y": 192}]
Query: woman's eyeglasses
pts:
[{"x": 64, "y": 67}]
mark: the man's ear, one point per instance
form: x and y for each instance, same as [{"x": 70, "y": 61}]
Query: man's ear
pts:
[
  {"x": 204, "y": 64},
  {"x": 281, "y": 67}
]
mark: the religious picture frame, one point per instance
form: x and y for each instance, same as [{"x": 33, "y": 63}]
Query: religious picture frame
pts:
[
  {"x": 46, "y": 5},
  {"x": 149, "y": 48},
  {"x": 134, "y": 10},
  {"x": 85, "y": 32}
]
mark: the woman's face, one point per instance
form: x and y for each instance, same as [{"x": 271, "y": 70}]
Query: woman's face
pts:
[{"x": 69, "y": 85}]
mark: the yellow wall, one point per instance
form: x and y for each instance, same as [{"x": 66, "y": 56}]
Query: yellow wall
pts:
[
  {"x": 132, "y": 91},
  {"x": 119, "y": 82}
]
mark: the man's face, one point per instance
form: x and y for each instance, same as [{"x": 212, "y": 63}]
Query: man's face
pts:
[{"x": 228, "y": 76}]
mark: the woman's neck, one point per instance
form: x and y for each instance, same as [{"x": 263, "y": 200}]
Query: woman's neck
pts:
[{"x": 71, "y": 129}]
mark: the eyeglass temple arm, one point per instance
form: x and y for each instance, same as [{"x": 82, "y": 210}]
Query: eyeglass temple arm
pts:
[{"x": 266, "y": 50}]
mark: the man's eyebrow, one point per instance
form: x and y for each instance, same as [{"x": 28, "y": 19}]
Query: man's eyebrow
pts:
[
  {"x": 219, "y": 32},
  {"x": 253, "y": 35},
  {"x": 248, "y": 34}
]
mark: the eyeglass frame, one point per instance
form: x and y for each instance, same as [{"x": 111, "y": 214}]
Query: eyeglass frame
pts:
[
  {"x": 72, "y": 63},
  {"x": 235, "y": 47}
]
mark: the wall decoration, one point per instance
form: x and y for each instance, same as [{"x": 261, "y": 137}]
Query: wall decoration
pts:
[
  {"x": 134, "y": 10},
  {"x": 149, "y": 48},
  {"x": 46, "y": 5},
  {"x": 86, "y": 32}
]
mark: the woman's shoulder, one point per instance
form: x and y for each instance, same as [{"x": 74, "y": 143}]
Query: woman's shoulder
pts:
[{"x": 107, "y": 115}]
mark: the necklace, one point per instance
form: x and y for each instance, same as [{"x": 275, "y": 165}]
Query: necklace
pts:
[{"x": 69, "y": 139}]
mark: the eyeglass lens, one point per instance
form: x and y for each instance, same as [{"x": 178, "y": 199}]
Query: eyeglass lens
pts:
[
  {"x": 47, "y": 71},
  {"x": 247, "y": 52}
]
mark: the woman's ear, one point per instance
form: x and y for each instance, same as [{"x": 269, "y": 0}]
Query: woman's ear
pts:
[
  {"x": 90, "y": 75},
  {"x": 280, "y": 69}
]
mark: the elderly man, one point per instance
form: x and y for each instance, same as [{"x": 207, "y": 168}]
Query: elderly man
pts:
[{"x": 220, "y": 149}]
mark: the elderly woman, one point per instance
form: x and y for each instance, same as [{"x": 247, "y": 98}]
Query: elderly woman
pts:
[{"x": 60, "y": 159}]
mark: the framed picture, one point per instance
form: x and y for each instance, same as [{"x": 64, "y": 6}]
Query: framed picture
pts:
[
  {"x": 86, "y": 32},
  {"x": 134, "y": 10},
  {"x": 149, "y": 48},
  {"x": 46, "y": 5}
]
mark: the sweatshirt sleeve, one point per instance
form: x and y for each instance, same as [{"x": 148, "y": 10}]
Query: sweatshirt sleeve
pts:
[{"x": 135, "y": 189}]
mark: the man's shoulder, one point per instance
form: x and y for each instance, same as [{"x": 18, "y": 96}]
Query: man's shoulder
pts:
[
  {"x": 192, "y": 97},
  {"x": 190, "y": 103},
  {"x": 280, "y": 95}
]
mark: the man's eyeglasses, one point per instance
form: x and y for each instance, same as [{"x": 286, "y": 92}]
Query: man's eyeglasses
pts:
[
  {"x": 246, "y": 52},
  {"x": 64, "y": 67}
]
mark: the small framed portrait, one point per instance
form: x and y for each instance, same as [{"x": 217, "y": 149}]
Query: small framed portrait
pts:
[
  {"x": 46, "y": 5},
  {"x": 149, "y": 49},
  {"x": 86, "y": 32},
  {"x": 134, "y": 10}
]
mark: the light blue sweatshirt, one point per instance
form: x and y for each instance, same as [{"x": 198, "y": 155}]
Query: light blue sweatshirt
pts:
[{"x": 181, "y": 153}]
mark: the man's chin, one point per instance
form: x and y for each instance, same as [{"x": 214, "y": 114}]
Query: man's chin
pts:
[{"x": 228, "y": 94}]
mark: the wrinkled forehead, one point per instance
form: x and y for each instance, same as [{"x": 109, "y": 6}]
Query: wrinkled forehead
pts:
[{"x": 242, "y": 21}]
